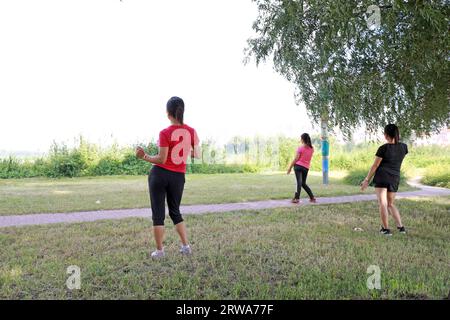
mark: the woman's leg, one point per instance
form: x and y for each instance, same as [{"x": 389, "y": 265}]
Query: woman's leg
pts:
[
  {"x": 383, "y": 205},
  {"x": 174, "y": 195},
  {"x": 182, "y": 232},
  {"x": 304, "y": 185},
  {"x": 299, "y": 178},
  {"x": 393, "y": 209},
  {"x": 158, "y": 232},
  {"x": 157, "y": 190}
]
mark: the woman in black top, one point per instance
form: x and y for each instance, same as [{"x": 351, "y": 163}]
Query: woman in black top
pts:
[{"x": 386, "y": 173}]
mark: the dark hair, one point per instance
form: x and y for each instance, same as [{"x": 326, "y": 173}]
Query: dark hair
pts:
[
  {"x": 175, "y": 108},
  {"x": 391, "y": 130},
  {"x": 307, "y": 139}
]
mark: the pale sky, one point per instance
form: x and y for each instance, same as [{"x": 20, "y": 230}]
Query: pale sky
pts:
[{"x": 105, "y": 68}]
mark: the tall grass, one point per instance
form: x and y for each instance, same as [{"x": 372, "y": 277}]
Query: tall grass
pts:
[
  {"x": 438, "y": 175},
  {"x": 84, "y": 160},
  {"x": 240, "y": 155}
]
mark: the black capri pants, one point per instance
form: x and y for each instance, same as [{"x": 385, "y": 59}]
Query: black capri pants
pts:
[{"x": 162, "y": 183}]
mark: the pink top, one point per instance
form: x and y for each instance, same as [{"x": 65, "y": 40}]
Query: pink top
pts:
[{"x": 306, "y": 154}]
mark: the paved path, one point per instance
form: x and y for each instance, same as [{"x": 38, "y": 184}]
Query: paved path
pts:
[{"x": 50, "y": 218}]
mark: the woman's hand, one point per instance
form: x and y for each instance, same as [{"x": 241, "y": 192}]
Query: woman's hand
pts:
[
  {"x": 140, "y": 153},
  {"x": 292, "y": 165},
  {"x": 364, "y": 184}
]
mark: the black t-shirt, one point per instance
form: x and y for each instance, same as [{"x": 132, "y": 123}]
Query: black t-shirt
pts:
[{"x": 392, "y": 155}]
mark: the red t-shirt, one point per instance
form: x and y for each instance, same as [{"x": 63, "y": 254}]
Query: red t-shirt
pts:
[{"x": 180, "y": 139}]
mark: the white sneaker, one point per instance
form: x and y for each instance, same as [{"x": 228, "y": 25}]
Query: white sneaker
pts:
[
  {"x": 158, "y": 254},
  {"x": 186, "y": 250}
]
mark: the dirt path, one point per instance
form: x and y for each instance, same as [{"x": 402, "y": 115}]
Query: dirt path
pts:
[{"x": 50, "y": 218}]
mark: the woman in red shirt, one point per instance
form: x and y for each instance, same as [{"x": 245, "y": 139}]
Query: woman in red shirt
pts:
[
  {"x": 167, "y": 176},
  {"x": 301, "y": 164}
]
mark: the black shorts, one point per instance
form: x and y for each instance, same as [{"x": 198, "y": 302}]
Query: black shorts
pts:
[
  {"x": 165, "y": 185},
  {"x": 386, "y": 180}
]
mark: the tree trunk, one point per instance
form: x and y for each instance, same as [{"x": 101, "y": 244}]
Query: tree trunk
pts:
[{"x": 325, "y": 149}]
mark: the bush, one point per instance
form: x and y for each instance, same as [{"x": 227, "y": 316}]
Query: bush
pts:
[
  {"x": 357, "y": 175},
  {"x": 133, "y": 166},
  {"x": 437, "y": 175},
  {"x": 41, "y": 167},
  {"x": 88, "y": 159},
  {"x": 70, "y": 164},
  {"x": 221, "y": 168},
  {"x": 13, "y": 168},
  {"x": 107, "y": 166},
  {"x": 287, "y": 148},
  {"x": 426, "y": 156}
]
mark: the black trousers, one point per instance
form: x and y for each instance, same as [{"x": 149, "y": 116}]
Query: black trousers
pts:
[
  {"x": 301, "y": 173},
  {"x": 162, "y": 183}
]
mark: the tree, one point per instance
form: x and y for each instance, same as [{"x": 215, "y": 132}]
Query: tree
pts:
[{"x": 354, "y": 74}]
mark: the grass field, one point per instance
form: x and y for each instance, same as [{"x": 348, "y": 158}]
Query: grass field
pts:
[
  {"x": 307, "y": 252},
  {"x": 36, "y": 195}
]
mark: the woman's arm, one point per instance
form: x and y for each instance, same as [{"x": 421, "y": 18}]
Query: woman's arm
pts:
[
  {"x": 371, "y": 173},
  {"x": 297, "y": 156},
  {"x": 160, "y": 158}
]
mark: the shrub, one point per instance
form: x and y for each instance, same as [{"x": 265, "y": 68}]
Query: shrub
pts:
[
  {"x": 286, "y": 151},
  {"x": 357, "y": 175},
  {"x": 426, "y": 156},
  {"x": 133, "y": 166},
  {"x": 66, "y": 164},
  {"x": 41, "y": 167},
  {"x": 437, "y": 175},
  {"x": 221, "y": 168},
  {"x": 107, "y": 166},
  {"x": 13, "y": 168},
  {"x": 88, "y": 159}
]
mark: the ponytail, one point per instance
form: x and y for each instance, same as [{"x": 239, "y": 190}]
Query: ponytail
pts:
[
  {"x": 307, "y": 140},
  {"x": 392, "y": 131},
  {"x": 179, "y": 114},
  {"x": 175, "y": 108}
]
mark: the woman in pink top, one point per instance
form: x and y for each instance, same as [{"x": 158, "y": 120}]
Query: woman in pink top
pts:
[{"x": 301, "y": 164}]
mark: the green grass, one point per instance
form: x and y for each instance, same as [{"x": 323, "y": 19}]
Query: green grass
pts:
[
  {"x": 300, "y": 253},
  {"x": 36, "y": 195},
  {"x": 437, "y": 175}
]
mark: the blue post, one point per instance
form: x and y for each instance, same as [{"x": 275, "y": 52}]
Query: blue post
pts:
[{"x": 325, "y": 150}]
